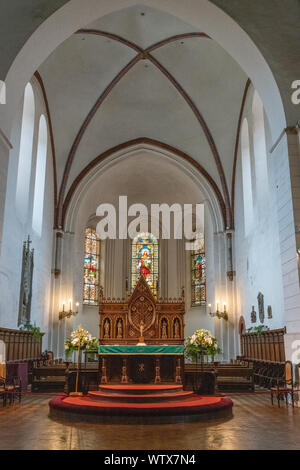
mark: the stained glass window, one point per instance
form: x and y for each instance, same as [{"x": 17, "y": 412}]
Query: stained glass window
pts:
[
  {"x": 198, "y": 271},
  {"x": 145, "y": 260},
  {"x": 91, "y": 267}
]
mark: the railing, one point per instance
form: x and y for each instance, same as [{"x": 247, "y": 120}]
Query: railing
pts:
[
  {"x": 267, "y": 345},
  {"x": 20, "y": 345}
]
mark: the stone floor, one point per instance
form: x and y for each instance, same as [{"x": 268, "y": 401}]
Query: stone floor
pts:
[{"x": 255, "y": 425}]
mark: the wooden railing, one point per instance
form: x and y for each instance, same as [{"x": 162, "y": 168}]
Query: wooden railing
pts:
[
  {"x": 20, "y": 345},
  {"x": 267, "y": 345}
]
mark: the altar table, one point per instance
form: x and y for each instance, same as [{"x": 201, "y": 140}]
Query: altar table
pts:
[
  {"x": 141, "y": 364},
  {"x": 142, "y": 350}
]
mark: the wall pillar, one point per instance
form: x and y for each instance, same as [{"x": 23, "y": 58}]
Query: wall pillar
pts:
[
  {"x": 5, "y": 148},
  {"x": 286, "y": 157}
]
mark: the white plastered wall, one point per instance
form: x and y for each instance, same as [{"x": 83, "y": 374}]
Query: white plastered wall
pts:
[
  {"x": 16, "y": 231},
  {"x": 258, "y": 252}
]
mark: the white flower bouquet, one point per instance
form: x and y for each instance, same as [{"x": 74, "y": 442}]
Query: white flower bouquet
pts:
[
  {"x": 201, "y": 342},
  {"x": 80, "y": 339}
]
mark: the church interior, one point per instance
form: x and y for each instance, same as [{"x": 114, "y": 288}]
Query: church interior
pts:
[{"x": 187, "y": 341}]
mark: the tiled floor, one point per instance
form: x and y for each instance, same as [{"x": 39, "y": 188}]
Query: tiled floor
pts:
[{"x": 255, "y": 425}]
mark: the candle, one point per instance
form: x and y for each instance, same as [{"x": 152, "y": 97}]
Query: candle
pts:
[
  {"x": 64, "y": 303},
  {"x": 217, "y": 303},
  {"x": 70, "y": 302}
]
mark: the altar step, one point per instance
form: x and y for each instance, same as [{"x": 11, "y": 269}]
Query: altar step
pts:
[
  {"x": 191, "y": 408},
  {"x": 138, "y": 389},
  {"x": 141, "y": 397}
]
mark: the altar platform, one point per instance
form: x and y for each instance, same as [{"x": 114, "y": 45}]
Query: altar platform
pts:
[
  {"x": 144, "y": 404},
  {"x": 138, "y": 382},
  {"x": 141, "y": 363}
]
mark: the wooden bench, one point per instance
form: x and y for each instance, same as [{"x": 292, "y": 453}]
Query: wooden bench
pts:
[
  {"x": 235, "y": 378},
  {"x": 266, "y": 373},
  {"x": 88, "y": 377},
  {"x": 51, "y": 378},
  {"x": 230, "y": 377}
]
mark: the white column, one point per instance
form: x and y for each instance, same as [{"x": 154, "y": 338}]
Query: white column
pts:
[
  {"x": 4, "y": 157},
  {"x": 286, "y": 160},
  {"x": 172, "y": 268}
]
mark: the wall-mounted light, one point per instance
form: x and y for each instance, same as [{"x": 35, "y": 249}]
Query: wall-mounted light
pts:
[
  {"x": 219, "y": 314},
  {"x": 68, "y": 313}
]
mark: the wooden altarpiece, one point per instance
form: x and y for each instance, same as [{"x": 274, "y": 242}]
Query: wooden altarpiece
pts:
[
  {"x": 158, "y": 321},
  {"x": 163, "y": 320}
]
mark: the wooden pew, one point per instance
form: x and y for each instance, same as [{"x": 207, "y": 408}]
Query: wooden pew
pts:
[
  {"x": 266, "y": 373},
  {"x": 230, "y": 377},
  {"x": 49, "y": 378},
  {"x": 235, "y": 378}
]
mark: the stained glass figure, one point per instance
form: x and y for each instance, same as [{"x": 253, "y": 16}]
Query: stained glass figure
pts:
[
  {"x": 91, "y": 267},
  {"x": 145, "y": 260},
  {"x": 198, "y": 271}
]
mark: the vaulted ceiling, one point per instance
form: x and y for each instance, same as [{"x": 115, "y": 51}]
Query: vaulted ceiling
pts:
[
  {"x": 273, "y": 25},
  {"x": 106, "y": 85}
]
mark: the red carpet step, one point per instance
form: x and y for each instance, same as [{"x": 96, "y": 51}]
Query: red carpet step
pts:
[
  {"x": 146, "y": 404},
  {"x": 140, "y": 389},
  {"x": 140, "y": 398}
]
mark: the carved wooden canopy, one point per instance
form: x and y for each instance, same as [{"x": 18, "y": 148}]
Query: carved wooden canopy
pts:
[
  {"x": 162, "y": 320},
  {"x": 141, "y": 307}
]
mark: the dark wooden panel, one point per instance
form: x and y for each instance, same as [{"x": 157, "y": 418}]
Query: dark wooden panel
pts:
[{"x": 267, "y": 346}]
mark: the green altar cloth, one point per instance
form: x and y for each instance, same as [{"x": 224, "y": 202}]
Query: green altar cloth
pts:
[{"x": 141, "y": 350}]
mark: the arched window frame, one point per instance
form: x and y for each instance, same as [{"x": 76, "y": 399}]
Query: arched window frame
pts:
[
  {"x": 259, "y": 147},
  {"x": 198, "y": 272},
  {"x": 91, "y": 277},
  {"x": 246, "y": 177},
  {"x": 135, "y": 273},
  {"x": 40, "y": 177},
  {"x": 25, "y": 153}
]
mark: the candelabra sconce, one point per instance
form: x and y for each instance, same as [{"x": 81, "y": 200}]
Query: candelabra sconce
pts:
[
  {"x": 68, "y": 313},
  {"x": 219, "y": 313}
]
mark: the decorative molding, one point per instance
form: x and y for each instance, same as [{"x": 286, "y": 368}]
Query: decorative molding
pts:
[
  {"x": 242, "y": 325},
  {"x": 237, "y": 140},
  {"x": 142, "y": 54},
  {"x": 177, "y": 37},
  {"x": 137, "y": 48},
  {"x": 207, "y": 133},
  {"x": 114, "y": 37},
  {"x": 143, "y": 140},
  {"x": 261, "y": 307},
  {"x": 82, "y": 130},
  {"x": 41, "y": 83},
  {"x": 253, "y": 315},
  {"x": 286, "y": 131},
  {"x": 5, "y": 140}
]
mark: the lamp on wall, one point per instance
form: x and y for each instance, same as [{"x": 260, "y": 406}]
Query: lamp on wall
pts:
[
  {"x": 68, "y": 313},
  {"x": 218, "y": 313}
]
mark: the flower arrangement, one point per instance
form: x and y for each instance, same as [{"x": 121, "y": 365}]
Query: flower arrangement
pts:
[
  {"x": 201, "y": 342},
  {"x": 80, "y": 339},
  {"x": 35, "y": 330},
  {"x": 258, "y": 329}
]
